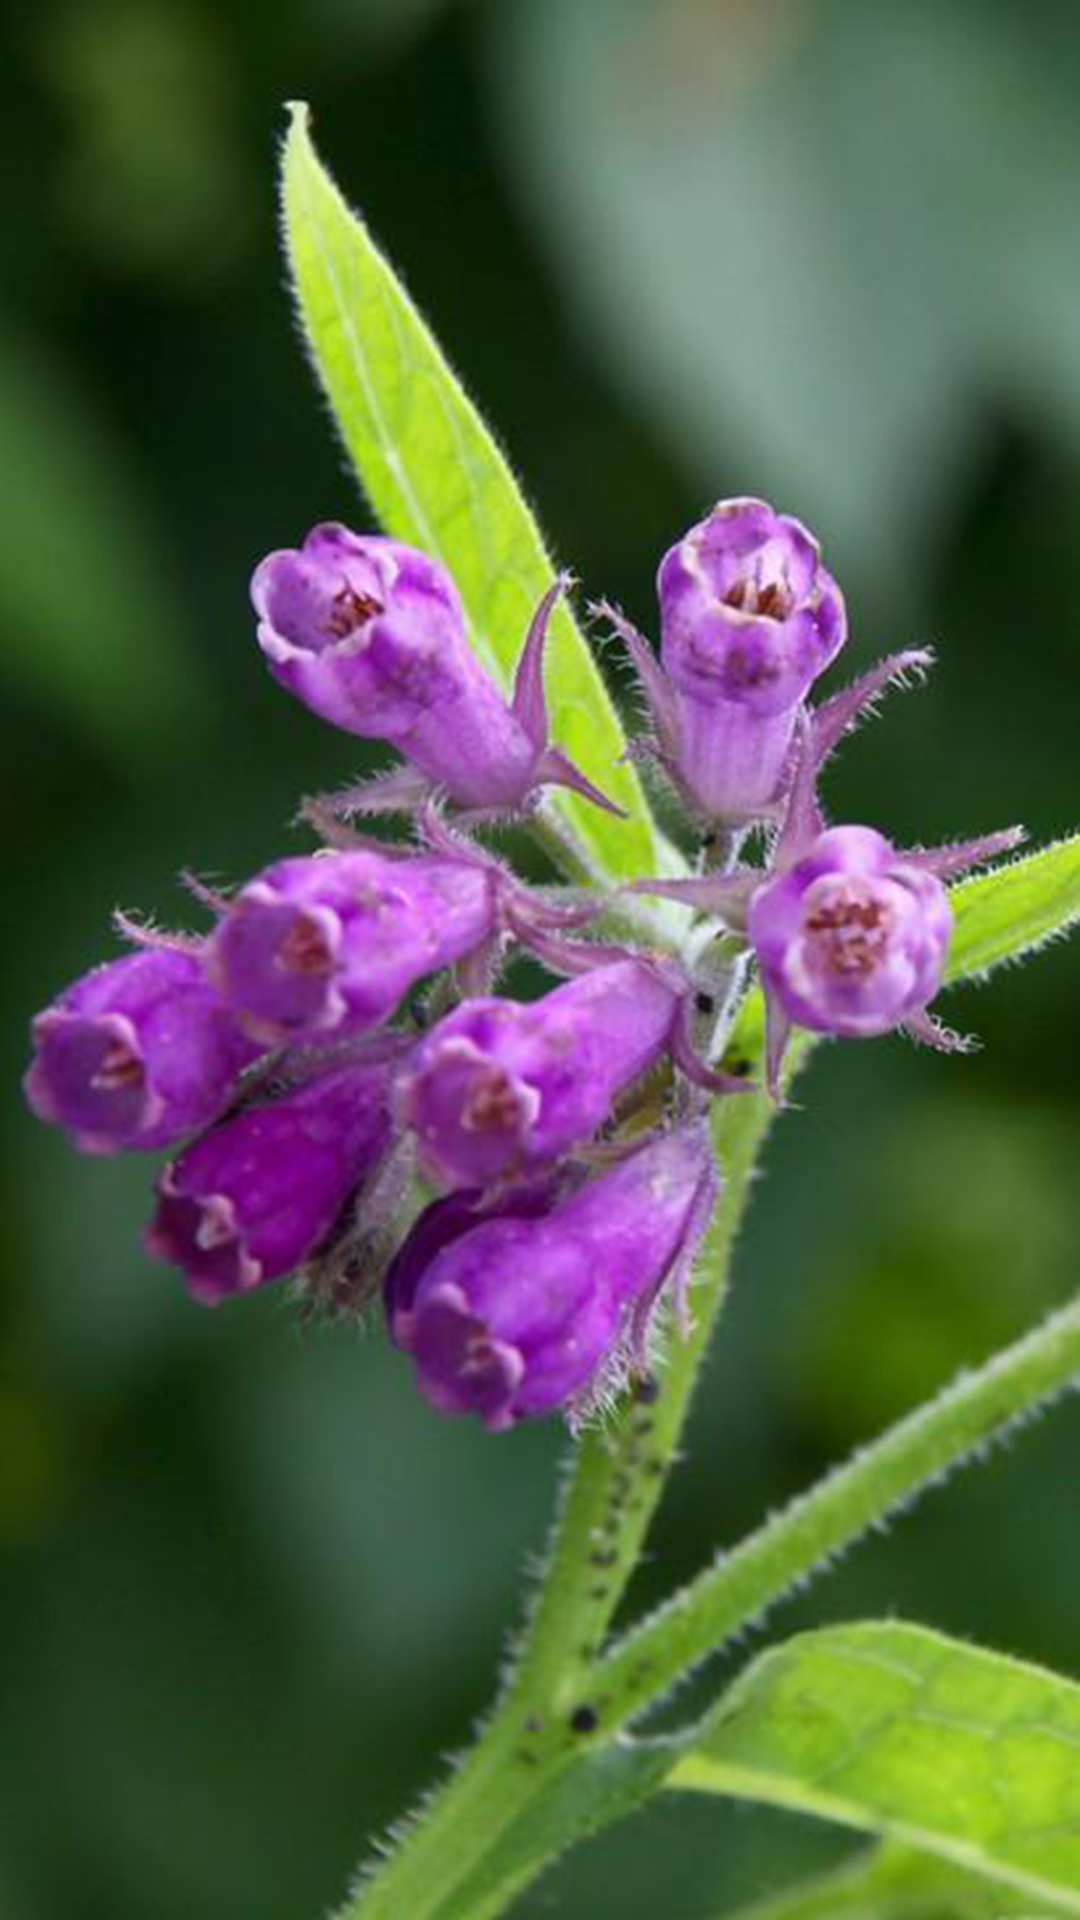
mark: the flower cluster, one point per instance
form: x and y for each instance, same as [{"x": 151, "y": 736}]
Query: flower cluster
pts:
[{"x": 335, "y": 1045}]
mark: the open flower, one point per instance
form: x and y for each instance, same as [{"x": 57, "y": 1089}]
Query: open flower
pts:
[
  {"x": 749, "y": 618},
  {"x": 258, "y": 1194},
  {"x": 515, "y": 1315},
  {"x": 852, "y": 938},
  {"x": 500, "y": 1087},
  {"x": 137, "y": 1053},
  {"x": 370, "y": 634},
  {"x": 331, "y": 943}
]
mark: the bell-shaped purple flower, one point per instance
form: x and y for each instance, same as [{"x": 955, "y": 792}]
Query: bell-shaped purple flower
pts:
[
  {"x": 852, "y": 938},
  {"x": 365, "y": 631},
  {"x": 749, "y": 619},
  {"x": 137, "y": 1053},
  {"x": 258, "y": 1194},
  {"x": 544, "y": 1304},
  {"x": 330, "y": 943},
  {"x": 369, "y": 633},
  {"x": 501, "y": 1087}
]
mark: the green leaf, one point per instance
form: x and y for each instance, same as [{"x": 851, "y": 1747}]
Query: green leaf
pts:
[
  {"x": 1014, "y": 909},
  {"x": 436, "y": 477},
  {"x": 902, "y": 1731},
  {"x": 892, "y": 1883}
]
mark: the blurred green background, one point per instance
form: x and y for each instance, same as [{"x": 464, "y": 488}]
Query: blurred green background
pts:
[{"x": 825, "y": 250}]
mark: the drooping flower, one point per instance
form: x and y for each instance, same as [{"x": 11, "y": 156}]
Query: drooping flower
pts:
[
  {"x": 330, "y": 943},
  {"x": 500, "y": 1087},
  {"x": 137, "y": 1053},
  {"x": 370, "y": 634},
  {"x": 515, "y": 1315},
  {"x": 258, "y": 1194}
]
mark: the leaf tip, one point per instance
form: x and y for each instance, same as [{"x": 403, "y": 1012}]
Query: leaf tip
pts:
[{"x": 297, "y": 137}]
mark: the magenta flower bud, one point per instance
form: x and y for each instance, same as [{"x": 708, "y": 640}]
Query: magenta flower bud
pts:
[
  {"x": 513, "y": 1316},
  {"x": 852, "y": 938},
  {"x": 136, "y": 1053},
  {"x": 749, "y": 619},
  {"x": 330, "y": 943},
  {"x": 254, "y": 1197},
  {"x": 370, "y": 635},
  {"x": 500, "y": 1087}
]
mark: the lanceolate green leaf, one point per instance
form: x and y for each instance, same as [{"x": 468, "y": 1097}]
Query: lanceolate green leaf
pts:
[
  {"x": 436, "y": 477},
  {"x": 1004, "y": 914},
  {"x": 904, "y": 1732}
]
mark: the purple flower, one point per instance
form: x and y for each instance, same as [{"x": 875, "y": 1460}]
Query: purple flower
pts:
[
  {"x": 255, "y": 1196},
  {"x": 136, "y": 1053},
  {"x": 749, "y": 619},
  {"x": 852, "y": 938},
  {"x": 330, "y": 943},
  {"x": 369, "y": 633},
  {"x": 500, "y": 1087},
  {"x": 366, "y": 631},
  {"x": 542, "y": 1305}
]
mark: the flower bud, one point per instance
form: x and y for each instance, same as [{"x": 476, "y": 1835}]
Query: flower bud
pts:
[
  {"x": 330, "y": 943},
  {"x": 136, "y": 1053},
  {"x": 370, "y": 635},
  {"x": 749, "y": 619},
  {"x": 500, "y": 1087},
  {"x": 259, "y": 1193},
  {"x": 512, "y": 1316},
  {"x": 852, "y": 938}
]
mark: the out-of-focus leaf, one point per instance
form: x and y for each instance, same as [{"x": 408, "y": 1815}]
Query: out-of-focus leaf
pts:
[
  {"x": 892, "y": 1883},
  {"x": 898, "y": 1730},
  {"x": 945, "y": 1265},
  {"x": 87, "y": 622},
  {"x": 377, "y": 24},
  {"x": 436, "y": 477},
  {"x": 1008, "y": 912},
  {"x": 807, "y": 232},
  {"x": 148, "y": 167}
]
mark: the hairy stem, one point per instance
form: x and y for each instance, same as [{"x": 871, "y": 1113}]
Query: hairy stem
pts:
[
  {"x": 566, "y": 1698},
  {"x": 615, "y": 1480},
  {"x": 619, "y": 1472}
]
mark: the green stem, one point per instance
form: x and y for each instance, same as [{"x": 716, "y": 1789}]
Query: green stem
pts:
[
  {"x": 619, "y": 1472},
  {"x": 611, "y": 1492},
  {"x": 566, "y": 1699},
  {"x": 917, "y": 1452}
]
